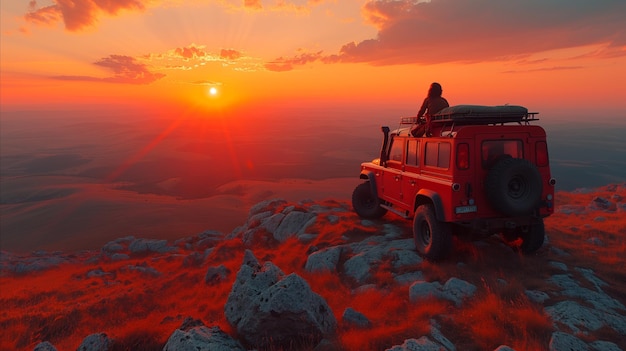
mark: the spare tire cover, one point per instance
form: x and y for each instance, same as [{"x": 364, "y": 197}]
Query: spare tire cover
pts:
[{"x": 514, "y": 187}]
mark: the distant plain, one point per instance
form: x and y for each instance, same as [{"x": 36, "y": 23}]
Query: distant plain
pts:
[{"x": 75, "y": 180}]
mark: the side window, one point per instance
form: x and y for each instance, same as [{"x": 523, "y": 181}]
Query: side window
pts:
[
  {"x": 412, "y": 156},
  {"x": 438, "y": 155},
  {"x": 397, "y": 147},
  {"x": 493, "y": 150}
]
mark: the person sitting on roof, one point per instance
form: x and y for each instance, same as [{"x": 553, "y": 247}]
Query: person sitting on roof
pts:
[{"x": 432, "y": 104}]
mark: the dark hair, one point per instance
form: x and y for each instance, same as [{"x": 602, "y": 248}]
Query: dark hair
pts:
[{"x": 435, "y": 90}]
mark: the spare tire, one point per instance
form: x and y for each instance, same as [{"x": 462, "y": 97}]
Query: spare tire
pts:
[{"x": 514, "y": 187}]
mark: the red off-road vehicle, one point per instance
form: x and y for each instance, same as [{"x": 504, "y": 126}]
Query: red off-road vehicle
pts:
[{"x": 482, "y": 170}]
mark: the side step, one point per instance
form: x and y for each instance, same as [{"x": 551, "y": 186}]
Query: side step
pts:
[{"x": 391, "y": 209}]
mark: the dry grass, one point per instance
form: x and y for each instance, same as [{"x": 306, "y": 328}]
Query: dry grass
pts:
[{"x": 140, "y": 312}]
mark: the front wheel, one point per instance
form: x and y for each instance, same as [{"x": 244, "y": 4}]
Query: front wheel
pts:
[
  {"x": 433, "y": 238},
  {"x": 365, "y": 203}
]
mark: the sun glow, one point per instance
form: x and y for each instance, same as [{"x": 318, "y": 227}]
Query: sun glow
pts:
[{"x": 213, "y": 91}]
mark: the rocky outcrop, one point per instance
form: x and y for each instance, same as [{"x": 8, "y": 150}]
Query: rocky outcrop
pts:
[
  {"x": 96, "y": 342},
  {"x": 268, "y": 308},
  {"x": 193, "y": 335}
]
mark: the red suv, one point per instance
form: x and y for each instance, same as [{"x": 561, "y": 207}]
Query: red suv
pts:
[{"x": 482, "y": 170}]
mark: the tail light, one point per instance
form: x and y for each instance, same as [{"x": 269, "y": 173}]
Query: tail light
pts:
[
  {"x": 541, "y": 153},
  {"x": 462, "y": 156}
]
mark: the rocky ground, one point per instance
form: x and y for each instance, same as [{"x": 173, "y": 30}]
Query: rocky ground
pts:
[{"x": 314, "y": 276}]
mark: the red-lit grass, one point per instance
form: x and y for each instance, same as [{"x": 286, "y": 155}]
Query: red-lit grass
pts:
[
  {"x": 140, "y": 311},
  {"x": 489, "y": 321}
]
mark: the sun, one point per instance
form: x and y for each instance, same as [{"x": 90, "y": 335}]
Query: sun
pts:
[{"x": 213, "y": 91}]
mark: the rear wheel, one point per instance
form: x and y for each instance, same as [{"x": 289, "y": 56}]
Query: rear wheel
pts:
[
  {"x": 365, "y": 203},
  {"x": 532, "y": 237},
  {"x": 433, "y": 238}
]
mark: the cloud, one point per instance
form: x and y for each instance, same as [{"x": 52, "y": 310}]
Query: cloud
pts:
[
  {"x": 441, "y": 31},
  {"x": 230, "y": 54},
  {"x": 125, "y": 70},
  {"x": 77, "y": 15},
  {"x": 282, "y": 64},
  {"x": 483, "y": 30}
]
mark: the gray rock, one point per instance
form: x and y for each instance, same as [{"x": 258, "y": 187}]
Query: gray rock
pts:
[
  {"x": 598, "y": 299},
  {"x": 45, "y": 346},
  {"x": 272, "y": 222},
  {"x": 559, "y": 265},
  {"x": 575, "y": 316},
  {"x": 256, "y": 220},
  {"x": 600, "y": 345},
  {"x": 332, "y": 219},
  {"x": 504, "y": 348},
  {"x": 198, "y": 337},
  {"x": 215, "y": 275},
  {"x": 439, "y": 337},
  {"x": 112, "y": 247},
  {"x": 358, "y": 267},
  {"x": 421, "y": 344},
  {"x": 96, "y": 342},
  {"x": 269, "y": 309},
  {"x": 355, "y": 318},
  {"x": 456, "y": 290},
  {"x": 116, "y": 257},
  {"x": 324, "y": 260},
  {"x": 392, "y": 231},
  {"x": 602, "y": 204},
  {"x": 143, "y": 246},
  {"x": 294, "y": 223},
  {"x": 403, "y": 258},
  {"x": 267, "y": 205},
  {"x": 409, "y": 278},
  {"x": 144, "y": 270},
  {"x": 562, "y": 341},
  {"x": 420, "y": 291}
]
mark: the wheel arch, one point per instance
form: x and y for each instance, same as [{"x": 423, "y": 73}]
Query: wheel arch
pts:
[
  {"x": 425, "y": 196},
  {"x": 369, "y": 175}
]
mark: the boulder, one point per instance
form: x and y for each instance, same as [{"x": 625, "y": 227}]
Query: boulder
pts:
[
  {"x": 195, "y": 336},
  {"x": 269, "y": 309},
  {"x": 216, "y": 274},
  {"x": 353, "y": 318},
  {"x": 45, "y": 346},
  {"x": 562, "y": 341},
  {"x": 294, "y": 223},
  {"x": 324, "y": 260},
  {"x": 421, "y": 344},
  {"x": 96, "y": 342}
]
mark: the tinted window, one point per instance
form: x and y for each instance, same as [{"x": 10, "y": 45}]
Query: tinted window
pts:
[
  {"x": 494, "y": 150},
  {"x": 412, "y": 157},
  {"x": 438, "y": 155},
  {"x": 395, "y": 154}
]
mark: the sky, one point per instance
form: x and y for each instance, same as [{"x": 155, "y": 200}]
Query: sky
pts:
[{"x": 565, "y": 57}]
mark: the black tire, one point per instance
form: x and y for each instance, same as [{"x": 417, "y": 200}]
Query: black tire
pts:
[
  {"x": 433, "y": 238},
  {"x": 532, "y": 237},
  {"x": 514, "y": 187},
  {"x": 366, "y": 204}
]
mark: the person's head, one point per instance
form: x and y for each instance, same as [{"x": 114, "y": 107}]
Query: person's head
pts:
[{"x": 435, "y": 90}]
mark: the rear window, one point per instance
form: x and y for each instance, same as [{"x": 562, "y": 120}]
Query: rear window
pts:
[
  {"x": 494, "y": 150},
  {"x": 437, "y": 155}
]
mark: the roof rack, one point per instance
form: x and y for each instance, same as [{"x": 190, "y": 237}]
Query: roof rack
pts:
[{"x": 476, "y": 114}]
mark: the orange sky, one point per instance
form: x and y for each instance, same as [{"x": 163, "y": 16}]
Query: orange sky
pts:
[{"x": 552, "y": 56}]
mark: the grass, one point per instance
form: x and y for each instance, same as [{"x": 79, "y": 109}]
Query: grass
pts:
[{"x": 140, "y": 311}]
